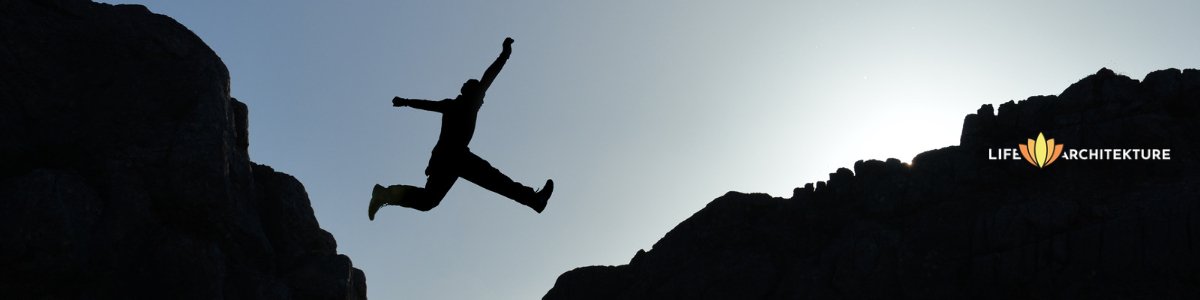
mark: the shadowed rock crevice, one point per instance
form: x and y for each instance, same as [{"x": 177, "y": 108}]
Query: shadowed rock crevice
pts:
[
  {"x": 124, "y": 170},
  {"x": 954, "y": 224}
]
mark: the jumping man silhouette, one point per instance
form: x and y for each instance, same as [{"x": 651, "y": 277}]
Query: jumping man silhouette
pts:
[{"x": 452, "y": 158}]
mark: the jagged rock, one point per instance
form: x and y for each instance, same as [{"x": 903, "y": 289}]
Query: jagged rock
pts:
[
  {"x": 124, "y": 170},
  {"x": 955, "y": 225}
]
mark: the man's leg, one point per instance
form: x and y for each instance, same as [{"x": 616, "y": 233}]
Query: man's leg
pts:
[
  {"x": 381, "y": 196},
  {"x": 440, "y": 177},
  {"x": 423, "y": 199},
  {"x": 480, "y": 172}
]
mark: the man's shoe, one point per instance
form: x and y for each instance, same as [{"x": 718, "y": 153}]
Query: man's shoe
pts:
[
  {"x": 377, "y": 200},
  {"x": 543, "y": 196}
]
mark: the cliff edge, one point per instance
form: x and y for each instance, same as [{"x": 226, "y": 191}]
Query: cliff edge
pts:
[
  {"x": 956, "y": 224},
  {"x": 124, "y": 170}
]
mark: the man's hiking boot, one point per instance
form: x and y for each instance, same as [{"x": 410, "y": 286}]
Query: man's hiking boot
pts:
[{"x": 542, "y": 197}]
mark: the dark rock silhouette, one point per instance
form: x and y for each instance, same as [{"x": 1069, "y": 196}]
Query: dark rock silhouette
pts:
[
  {"x": 124, "y": 170},
  {"x": 955, "y": 225}
]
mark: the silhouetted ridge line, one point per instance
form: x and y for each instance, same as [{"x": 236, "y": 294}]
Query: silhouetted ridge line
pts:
[
  {"x": 955, "y": 224},
  {"x": 124, "y": 171}
]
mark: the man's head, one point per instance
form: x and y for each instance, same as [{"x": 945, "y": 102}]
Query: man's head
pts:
[{"x": 470, "y": 88}]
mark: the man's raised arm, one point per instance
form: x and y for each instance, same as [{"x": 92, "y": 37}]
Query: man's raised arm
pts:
[
  {"x": 494, "y": 69},
  {"x": 434, "y": 106}
]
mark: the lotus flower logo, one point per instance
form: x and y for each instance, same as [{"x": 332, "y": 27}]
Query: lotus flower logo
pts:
[{"x": 1041, "y": 152}]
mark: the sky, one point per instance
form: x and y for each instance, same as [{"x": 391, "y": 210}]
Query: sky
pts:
[{"x": 641, "y": 112}]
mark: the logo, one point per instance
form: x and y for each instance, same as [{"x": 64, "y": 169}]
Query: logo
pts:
[{"x": 1042, "y": 152}]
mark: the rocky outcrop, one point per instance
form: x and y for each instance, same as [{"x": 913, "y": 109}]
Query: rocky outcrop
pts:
[
  {"x": 954, "y": 224},
  {"x": 124, "y": 170}
]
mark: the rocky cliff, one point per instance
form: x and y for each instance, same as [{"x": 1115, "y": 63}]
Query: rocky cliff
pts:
[
  {"x": 124, "y": 170},
  {"x": 954, "y": 224}
]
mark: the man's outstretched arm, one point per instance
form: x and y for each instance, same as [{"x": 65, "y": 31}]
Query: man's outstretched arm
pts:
[
  {"x": 434, "y": 106},
  {"x": 494, "y": 69}
]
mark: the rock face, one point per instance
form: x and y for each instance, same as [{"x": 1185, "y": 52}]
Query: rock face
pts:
[
  {"x": 124, "y": 170},
  {"x": 956, "y": 225}
]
